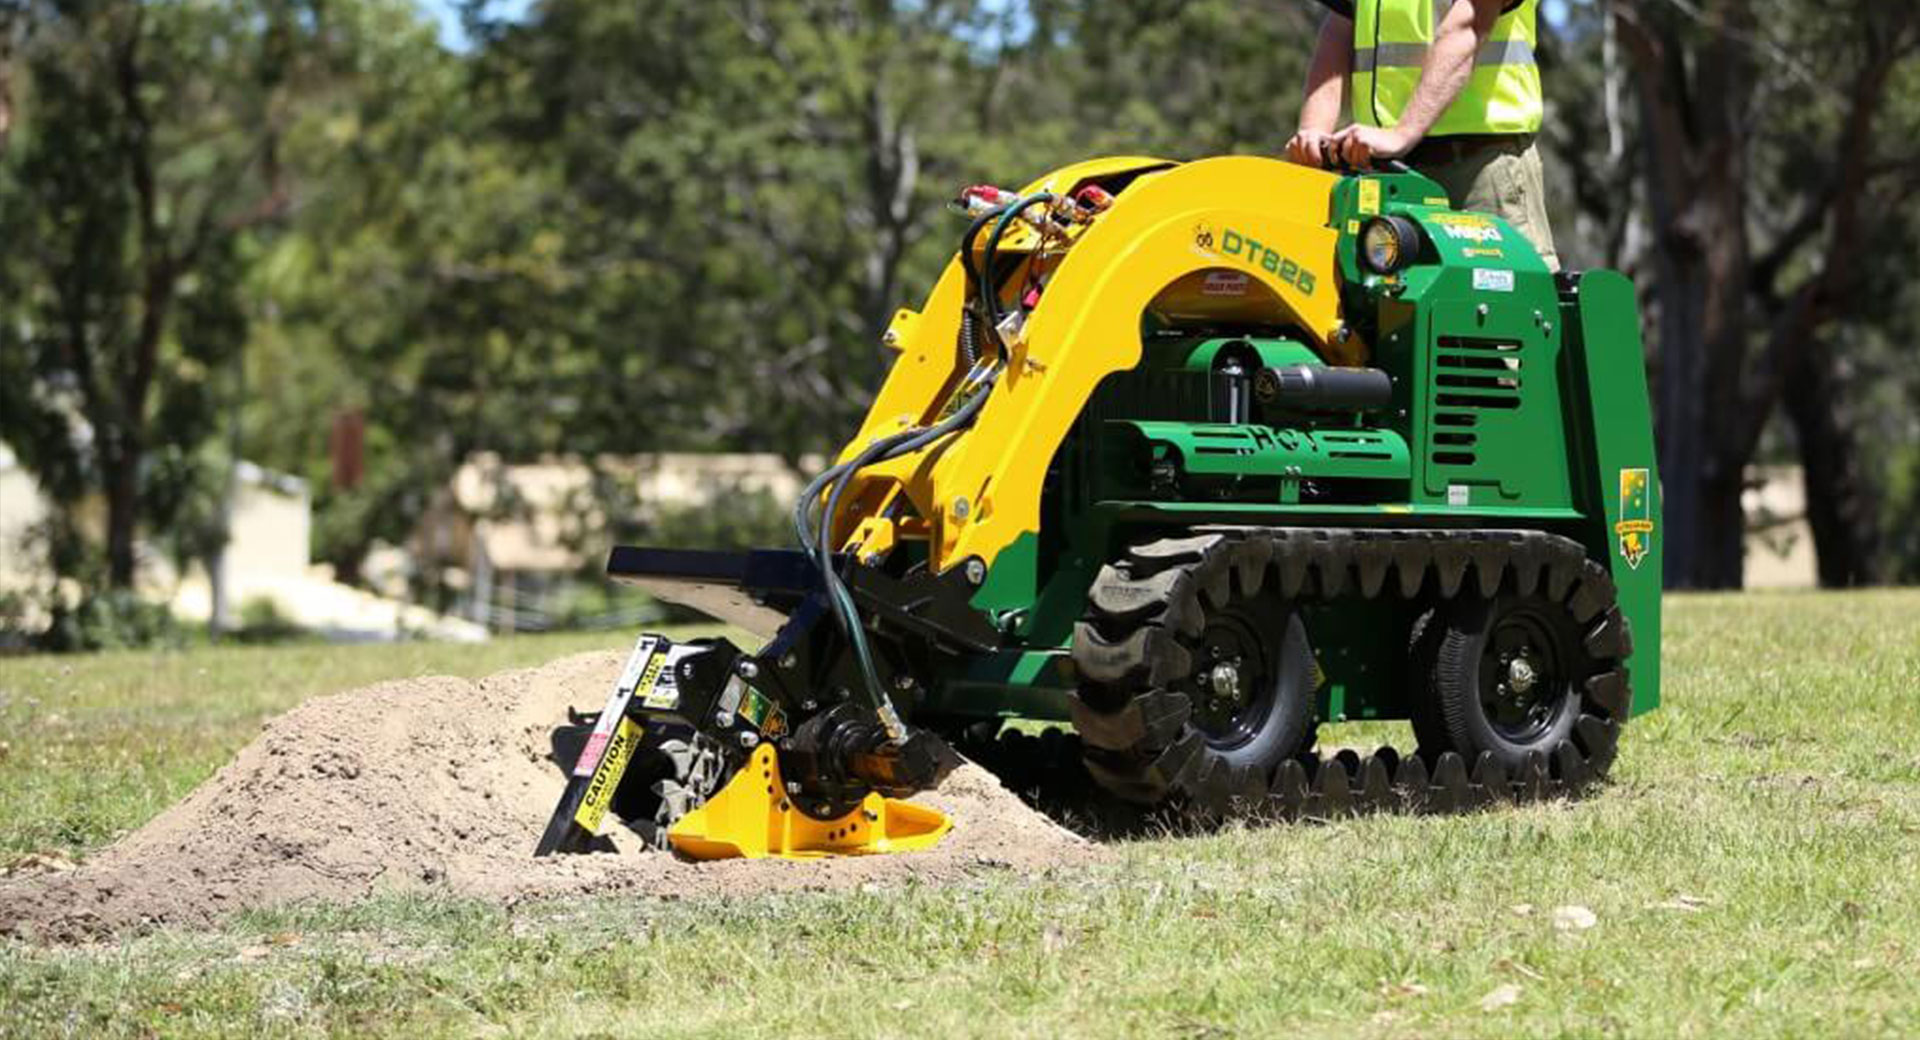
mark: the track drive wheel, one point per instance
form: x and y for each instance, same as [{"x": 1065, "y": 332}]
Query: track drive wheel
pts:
[
  {"x": 1523, "y": 681},
  {"x": 1197, "y": 687}
]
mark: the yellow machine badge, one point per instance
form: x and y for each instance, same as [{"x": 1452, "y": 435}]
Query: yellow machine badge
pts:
[{"x": 1636, "y": 516}]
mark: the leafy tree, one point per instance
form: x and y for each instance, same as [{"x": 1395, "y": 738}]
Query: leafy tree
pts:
[
  {"x": 1764, "y": 176},
  {"x": 615, "y": 228},
  {"x": 409, "y": 288},
  {"x": 146, "y": 155},
  {"x": 552, "y": 247}
]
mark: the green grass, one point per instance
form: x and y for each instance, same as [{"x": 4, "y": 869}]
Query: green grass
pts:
[{"x": 1751, "y": 870}]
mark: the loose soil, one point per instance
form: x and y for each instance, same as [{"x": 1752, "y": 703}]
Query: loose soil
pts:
[{"x": 442, "y": 784}]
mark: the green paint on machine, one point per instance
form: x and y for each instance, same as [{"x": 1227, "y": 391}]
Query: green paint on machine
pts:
[
  {"x": 1518, "y": 403},
  {"x": 1409, "y": 477}
]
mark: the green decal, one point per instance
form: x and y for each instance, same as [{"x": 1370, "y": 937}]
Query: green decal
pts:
[{"x": 761, "y": 714}]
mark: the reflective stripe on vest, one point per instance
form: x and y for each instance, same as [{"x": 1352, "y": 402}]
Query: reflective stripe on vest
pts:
[{"x": 1390, "y": 39}]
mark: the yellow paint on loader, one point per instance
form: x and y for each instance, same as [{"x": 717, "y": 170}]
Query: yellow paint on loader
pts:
[
  {"x": 752, "y": 818},
  {"x": 978, "y": 494}
]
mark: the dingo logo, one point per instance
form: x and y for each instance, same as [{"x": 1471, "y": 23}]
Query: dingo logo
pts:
[
  {"x": 1467, "y": 227},
  {"x": 1636, "y": 516}
]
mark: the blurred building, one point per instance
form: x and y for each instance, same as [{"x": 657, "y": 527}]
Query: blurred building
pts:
[
  {"x": 509, "y": 535},
  {"x": 266, "y": 565},
  {"x": 505, "y": 536},
  {"x": 268, "y": 569},
  {"x": 21, "y": 510},
  {"x": 1779, "y": 539}
]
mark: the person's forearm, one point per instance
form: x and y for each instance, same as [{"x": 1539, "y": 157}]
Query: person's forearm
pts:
[
  {"x": 1327, "y": 76},
  {"x": 1448, "y": 67}
]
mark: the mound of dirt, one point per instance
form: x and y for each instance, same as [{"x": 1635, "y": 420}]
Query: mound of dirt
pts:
[{"x": 444, "y": 784}]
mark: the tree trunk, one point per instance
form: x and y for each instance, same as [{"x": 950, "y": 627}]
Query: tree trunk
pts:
[
  {"x": 1842, "y": 509},
  {"x": 347, "y": 569},
  {"x": 1682, "y": 437},
  {"x": 6, "y": 81},
  {"x": 1721, "y": 563},
  {"x": 1709, "y": 417},
  {"x": 13, "y": 25},
  {"x": 893, "y": 175},
  {"x": 123, "y": 513}
]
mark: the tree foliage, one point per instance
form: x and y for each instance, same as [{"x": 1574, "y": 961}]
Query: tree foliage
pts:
[
  {"x": 612, "y": 228},
  {"x": 132, "y": 193}
]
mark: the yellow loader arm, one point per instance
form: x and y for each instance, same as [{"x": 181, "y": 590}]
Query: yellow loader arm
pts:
[{"x": 1215, "y": 238}]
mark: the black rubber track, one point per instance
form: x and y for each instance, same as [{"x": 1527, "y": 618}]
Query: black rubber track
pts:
[{"x": 1145, "y": 610}]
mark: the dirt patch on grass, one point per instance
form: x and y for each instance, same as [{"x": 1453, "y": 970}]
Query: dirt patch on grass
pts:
[{"x": 444, "y": 784}]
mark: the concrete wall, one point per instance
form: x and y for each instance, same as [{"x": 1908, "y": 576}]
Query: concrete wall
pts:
[
  {"x": 1779, "y": 540},
  {"x": 272, "y": 524},
  {"x": 21, "y": 508},
  {"x": 272, "y": 527}
]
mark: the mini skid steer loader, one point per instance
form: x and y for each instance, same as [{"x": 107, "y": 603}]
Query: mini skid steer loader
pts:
[{"x": 1193, "y": 457}]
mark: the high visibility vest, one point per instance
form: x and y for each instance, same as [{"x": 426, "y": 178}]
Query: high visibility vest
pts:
[{"x": 1390, "y": 40}]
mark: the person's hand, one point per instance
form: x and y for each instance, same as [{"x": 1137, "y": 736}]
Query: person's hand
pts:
[
  {"x": 1311, "y": 148},
  {"x": 1360, "y": 145}
]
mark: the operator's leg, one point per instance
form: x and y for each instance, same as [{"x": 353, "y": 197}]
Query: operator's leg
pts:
[{"x": 1508, "y": 183}]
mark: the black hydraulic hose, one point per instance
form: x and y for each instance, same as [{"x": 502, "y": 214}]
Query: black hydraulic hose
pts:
[
  {"x": 990, "y": 294},
  {"x": 970, "y": 333},
  {"x": 893, "y": 447},
  {"x": 803, "y": 509},
  {"x": 969, "y": 321},
  {"x": 913, "y": 441},
  {"x": 819, "y": 544},
  {"x": 966, "y": 243}
]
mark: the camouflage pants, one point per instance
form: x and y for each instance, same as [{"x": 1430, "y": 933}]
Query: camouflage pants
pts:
[{"x": 1506, "y": 181}]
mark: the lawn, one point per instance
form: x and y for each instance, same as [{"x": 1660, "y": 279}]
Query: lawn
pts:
[{"x": 1751, "y": 872}]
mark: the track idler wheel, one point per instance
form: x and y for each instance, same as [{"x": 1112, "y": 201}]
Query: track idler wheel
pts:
[{"x": 1529, "y": 687}]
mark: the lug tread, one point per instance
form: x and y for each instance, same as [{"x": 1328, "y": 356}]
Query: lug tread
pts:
[
  {"x": 1156, "y": 556},
  {"x": 1290, "y": 790},
  {"x": 1156, "y": 599},
  {"x": 1608, "y": 637},
  {"x": 1334, "y": 791},
  {"x": 1135, "y": 737}
]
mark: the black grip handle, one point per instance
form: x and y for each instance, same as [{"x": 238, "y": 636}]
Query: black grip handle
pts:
[{"x": 1317, "y": 388}]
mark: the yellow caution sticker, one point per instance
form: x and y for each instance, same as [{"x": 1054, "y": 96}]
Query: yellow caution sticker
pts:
[
  {"x": 1369, "y": 197},
  {"x": 606, "y": 777},
  {"x": 657, "y": 688},
  {"x": 642, "y": 671}
]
